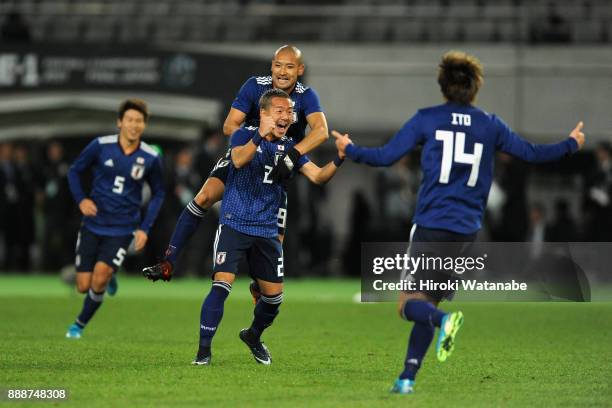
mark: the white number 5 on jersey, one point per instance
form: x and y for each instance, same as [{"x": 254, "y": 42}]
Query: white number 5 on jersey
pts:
[
  {"x": 118, "y": 185},
  {"x": 452, "y": 141}
]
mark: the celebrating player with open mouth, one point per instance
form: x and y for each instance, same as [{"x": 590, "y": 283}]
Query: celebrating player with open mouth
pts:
[
  {"x": 248, "y": 223},
  {"x": 459, "y": 143},
  {"x": 287, "y": 66}
]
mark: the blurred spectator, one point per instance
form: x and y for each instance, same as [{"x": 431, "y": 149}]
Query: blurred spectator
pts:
[
  {"x": 513, "y": 222},
  {"x": 316, "y": 231},
  {"x": 59, "y": 212},
  {"x": 184, "y": 184},
  {"x": 536, "y": 233},
  {"x": 563, "y": 227},
  {"x": 14, "y": 29},
  {"x": 537, "y": 223},
  {"x": 396, "y": 187},
  {"x": 553, "y": 28},
  {"x": 359, "y": 222},
  {"x": 28, "y": 179},
  {"x": 8, "y": 202},
  {"x": 213, "y": 145},
  {"x": 597, "y": 196}
]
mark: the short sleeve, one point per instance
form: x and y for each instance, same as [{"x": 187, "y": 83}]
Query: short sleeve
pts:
[
  {"x": 247, "y": 96},
  {"x": 311, "y": 102},
  {"x": 240, "y": 137}
]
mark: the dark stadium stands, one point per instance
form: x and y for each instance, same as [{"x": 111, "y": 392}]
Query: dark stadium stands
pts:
[{"x": 378, "y": 21}]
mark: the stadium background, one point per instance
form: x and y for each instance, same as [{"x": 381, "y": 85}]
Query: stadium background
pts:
[{"x": 66, "y": 64}]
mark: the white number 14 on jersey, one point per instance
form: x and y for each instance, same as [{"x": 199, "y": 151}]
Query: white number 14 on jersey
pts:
[{"x": 452, "y": 141}]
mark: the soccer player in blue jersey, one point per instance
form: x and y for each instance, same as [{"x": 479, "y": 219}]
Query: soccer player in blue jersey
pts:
[
  {"x": 459, "y": 142},
  {"x": 248, "y": 223},
  {"x": 287, "y": 67},
  {"x": 120, "y": 165}
]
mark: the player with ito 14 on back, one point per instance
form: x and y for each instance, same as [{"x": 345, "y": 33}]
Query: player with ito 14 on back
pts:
[
  {"x": 248, "y": 223},
  {"x": 120, "y": 165},
  {"x": 459, "y": 142},
  {"x": 287, "y": 67}
]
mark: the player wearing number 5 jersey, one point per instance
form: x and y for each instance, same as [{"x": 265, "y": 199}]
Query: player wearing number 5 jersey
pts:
[
  {"x": 120, "y": 166},
  {"x": 459, "y": 142},
  {"x": 248, "y": 223}
]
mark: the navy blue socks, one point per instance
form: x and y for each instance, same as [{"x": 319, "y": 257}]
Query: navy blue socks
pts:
[
  {"x": 212, "y": 312},
  {"x": 420, "y": 339},
  {"x": 426, "y": 318},
  {"x": 265, "y": 312},
  {"x": 421, "y": 311},
  {"x": 185, "y": 227},
  {"x": 92, "y": 302}
]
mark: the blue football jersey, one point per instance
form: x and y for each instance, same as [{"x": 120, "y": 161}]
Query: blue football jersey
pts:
[
  {"x": 251, "y": 200},
  {"x": 305, "y": 101},
  {"x": 117, "y": 185},
  {"x": 459, "y": 145}
]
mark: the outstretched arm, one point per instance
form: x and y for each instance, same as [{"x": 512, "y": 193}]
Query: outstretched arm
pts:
[
  {"x": 403, "y": 141},
  {"x": 320, "y": 175},
  {"x": 511, "y": 143}
]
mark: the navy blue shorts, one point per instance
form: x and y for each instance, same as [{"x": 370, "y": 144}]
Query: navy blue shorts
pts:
[
  {"x": 264, "y": 255},
  {"x": 91, "y": 248},
  {"x": 430, "y": 242}
]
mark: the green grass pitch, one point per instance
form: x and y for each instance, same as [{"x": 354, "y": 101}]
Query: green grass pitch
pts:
[{"x": 327, "y": 351}]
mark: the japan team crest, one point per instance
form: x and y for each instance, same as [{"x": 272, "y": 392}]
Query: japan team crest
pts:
[
  {"x": 138, "y": 169},
  {"x": 220, "y": 258}
]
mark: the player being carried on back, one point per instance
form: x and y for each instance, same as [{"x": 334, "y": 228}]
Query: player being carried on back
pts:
[
  {"x": 248, "y": 223},
  {"x": 287, "y": 66},
  {"x": 459, "y": 143}
]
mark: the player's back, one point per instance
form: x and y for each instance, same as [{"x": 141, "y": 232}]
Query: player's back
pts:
[{"x": 459, "y": 144}]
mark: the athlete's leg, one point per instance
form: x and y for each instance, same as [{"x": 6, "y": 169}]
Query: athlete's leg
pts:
[
  {"x": 229, "y": 249},
  {"x": 211, "y": 314},
  {"x": 93, "y": 299},
  {"x": 267, "y": 306},
  {"x": 210, "y": 193},
  {"x": 420, "y": 308},
  {"x": 83, "y": 281},
  {"x": 266, "y": 263}
]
